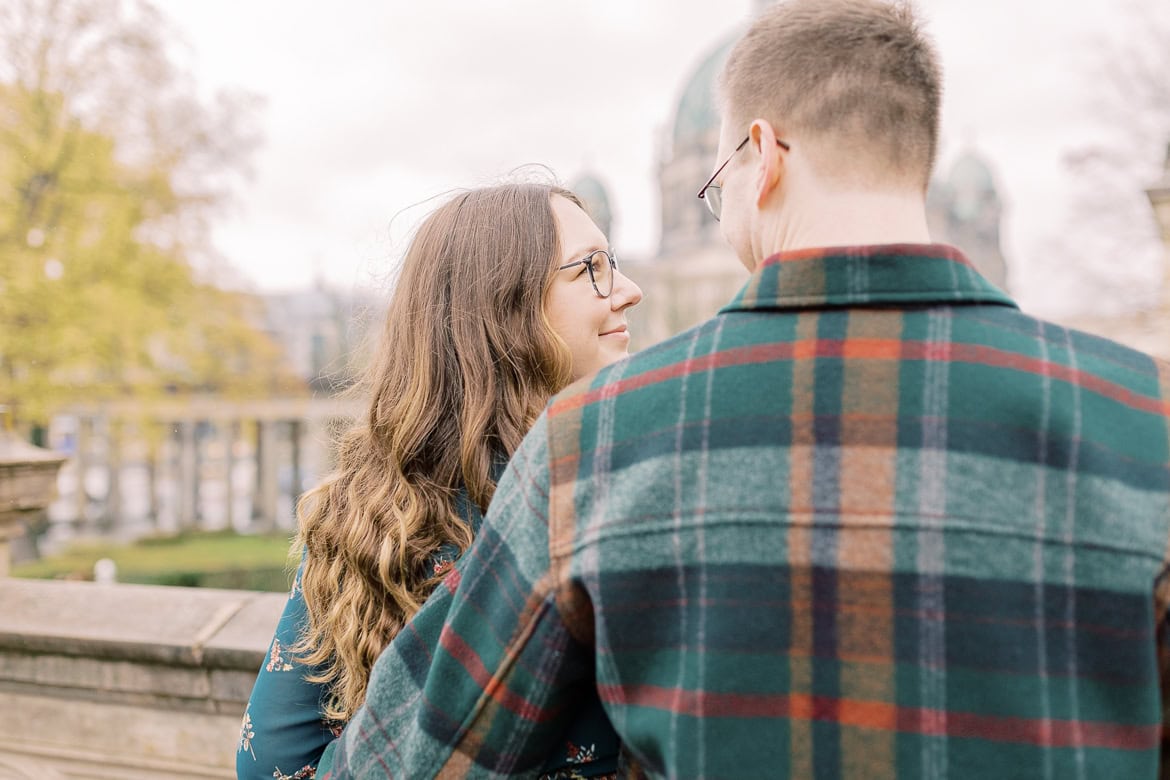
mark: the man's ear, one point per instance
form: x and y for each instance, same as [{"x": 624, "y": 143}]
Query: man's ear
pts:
[{"x": 771, "y": 159}]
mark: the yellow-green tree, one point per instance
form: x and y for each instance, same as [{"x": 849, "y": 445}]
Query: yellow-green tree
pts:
[{"x": 110, "y": 170}]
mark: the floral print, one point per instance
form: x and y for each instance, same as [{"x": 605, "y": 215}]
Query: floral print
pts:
[
  {"x": 276, "y": 662},
  {"x": 246, "y": 734},
  {"x": 285, "y": 734},
  {"x": 577, "y": 754},
  {"x": 573, "y": 774},
  {"x": 582, "y": 755}
]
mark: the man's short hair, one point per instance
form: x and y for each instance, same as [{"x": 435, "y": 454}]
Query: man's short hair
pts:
[{"x": 857, "y": 79}]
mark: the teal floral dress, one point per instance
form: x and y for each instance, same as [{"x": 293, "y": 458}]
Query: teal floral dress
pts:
[{"x": 284, "y": 731}]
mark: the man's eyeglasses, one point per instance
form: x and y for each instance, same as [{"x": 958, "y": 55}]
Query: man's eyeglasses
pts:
[
  {"x": 601, "y": 272},
  {"x": 712, "y": 193}
]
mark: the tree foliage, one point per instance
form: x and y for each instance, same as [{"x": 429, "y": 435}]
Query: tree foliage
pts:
[{"x": 111, "y": 167}]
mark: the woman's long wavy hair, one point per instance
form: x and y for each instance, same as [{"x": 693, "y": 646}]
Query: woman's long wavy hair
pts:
[{"x": 467, "y": 363}]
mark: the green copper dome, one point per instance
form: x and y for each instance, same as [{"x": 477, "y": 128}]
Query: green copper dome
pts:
[{"x": 697, "y": 113}]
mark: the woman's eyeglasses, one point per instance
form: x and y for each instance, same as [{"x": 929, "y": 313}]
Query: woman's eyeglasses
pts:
[{"x": 601, "y": 273}]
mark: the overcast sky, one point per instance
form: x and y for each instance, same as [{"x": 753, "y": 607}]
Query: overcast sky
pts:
[{"x": 371, "y": 107}]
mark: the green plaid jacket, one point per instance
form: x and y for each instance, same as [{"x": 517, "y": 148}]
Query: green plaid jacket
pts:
[{"x": 869, "y": 521}]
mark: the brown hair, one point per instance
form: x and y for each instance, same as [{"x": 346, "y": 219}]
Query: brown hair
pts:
[
  {"x": 857, "y": 78},
  {"x": 468, "y": 362}
]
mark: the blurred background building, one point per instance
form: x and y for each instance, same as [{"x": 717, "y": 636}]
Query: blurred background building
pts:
[{"x": 695, "y": 272}]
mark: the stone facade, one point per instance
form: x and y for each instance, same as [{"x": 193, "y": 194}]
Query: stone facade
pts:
[{"x": 126, "y": 681}]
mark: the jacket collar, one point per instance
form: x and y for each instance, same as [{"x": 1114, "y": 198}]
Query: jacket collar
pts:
[{"x": 886, "y": 275}]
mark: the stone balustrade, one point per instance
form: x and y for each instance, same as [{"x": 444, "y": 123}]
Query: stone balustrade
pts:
[{"x": 126, "y": 681}]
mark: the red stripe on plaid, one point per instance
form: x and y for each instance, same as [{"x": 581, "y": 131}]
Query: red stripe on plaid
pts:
[
  {"x": 494, "y": 687},
  {"x": 869, "y": 349},
  {"x": 884, "y": 716}
]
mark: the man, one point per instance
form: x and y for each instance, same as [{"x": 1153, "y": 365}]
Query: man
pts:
[{"x": 869, "y": 521}]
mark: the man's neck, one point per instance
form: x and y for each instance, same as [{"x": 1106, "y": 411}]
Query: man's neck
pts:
[{"x": 851, "y": 218}]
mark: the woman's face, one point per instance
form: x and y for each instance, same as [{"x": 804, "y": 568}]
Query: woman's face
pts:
[{"x": 594, "y": 328}]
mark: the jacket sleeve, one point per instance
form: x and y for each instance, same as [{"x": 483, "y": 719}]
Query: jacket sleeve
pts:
[
  {"x": 484, "y": 679},
  {"x": 283, "y": 733}
]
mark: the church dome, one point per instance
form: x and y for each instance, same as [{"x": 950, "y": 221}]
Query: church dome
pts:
[
  {"x": 697, "y": 115},
  {"x": 589, "y": 188}
]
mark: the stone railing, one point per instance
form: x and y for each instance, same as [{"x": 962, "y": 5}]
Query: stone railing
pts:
[{"x": 126, "y": 681}]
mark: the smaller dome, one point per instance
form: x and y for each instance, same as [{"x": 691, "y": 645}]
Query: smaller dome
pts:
[
  {"x": 971, "y": 173},
  {"x": 589, "y": 187},
  {"x": 595, "y": 196},
  {"x": 971, "y": 187}
]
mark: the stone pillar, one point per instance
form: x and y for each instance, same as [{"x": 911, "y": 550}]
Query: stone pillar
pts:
[
  {"x": 188, "y": 483},
  {"x": 267, "y": 488},
  {"x": 112, "y": 507},
  {"x": 230, "y": 433},
  {"x": 81, "y": 463},
  {"x": 296, "y": 433},
  {"x": 155, "y": 467}
]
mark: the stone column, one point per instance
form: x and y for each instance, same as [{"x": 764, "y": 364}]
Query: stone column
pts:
[
  {"x": 155, "y": 467},
  {"x": 112, "y": 508},
  {"x": 188, "y": 476},
  {"x": 81, "y": 463},
  {"x": 296, "y": 432},
  {"x": 267, "y": 488},
  {"x": 230, "y": 432}
]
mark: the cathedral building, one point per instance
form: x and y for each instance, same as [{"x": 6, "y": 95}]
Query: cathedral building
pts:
[{"x": 695, "y": 272}]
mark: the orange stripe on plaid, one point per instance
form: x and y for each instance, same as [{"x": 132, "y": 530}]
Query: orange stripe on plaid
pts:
[
  {"x": 884, "y": 716},
  {"x": 495, "y": 687}
]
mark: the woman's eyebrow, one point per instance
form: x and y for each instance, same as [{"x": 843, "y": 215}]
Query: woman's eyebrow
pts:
[{"x": 579, "y": 254}]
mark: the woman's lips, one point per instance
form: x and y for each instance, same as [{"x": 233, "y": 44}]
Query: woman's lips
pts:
[{"x": 621, "y": 331}]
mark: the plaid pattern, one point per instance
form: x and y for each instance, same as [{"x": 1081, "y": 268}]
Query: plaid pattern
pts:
[{"x": 870, "y": 521}]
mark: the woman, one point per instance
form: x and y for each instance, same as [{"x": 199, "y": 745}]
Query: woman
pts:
[{"x": 506, "y": 295}]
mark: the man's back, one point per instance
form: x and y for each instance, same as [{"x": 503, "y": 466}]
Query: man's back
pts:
[{"x": 871, "y": 521}]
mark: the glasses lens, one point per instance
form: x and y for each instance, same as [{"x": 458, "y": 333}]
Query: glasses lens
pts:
[
  {"x": 602, "y": 267},
  {"x": 714, "y": 198}
]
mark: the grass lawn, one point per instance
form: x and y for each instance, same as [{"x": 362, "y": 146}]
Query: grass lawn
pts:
[{"x": 210, "y": 559}]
